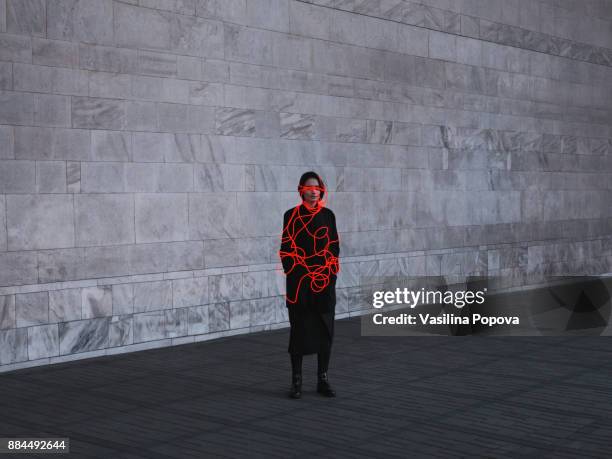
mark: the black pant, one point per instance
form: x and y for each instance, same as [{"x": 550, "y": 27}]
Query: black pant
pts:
[{"x": 322, "y": 363}]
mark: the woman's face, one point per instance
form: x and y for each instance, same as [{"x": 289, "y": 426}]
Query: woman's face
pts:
[{"x": 311, "y": 193}]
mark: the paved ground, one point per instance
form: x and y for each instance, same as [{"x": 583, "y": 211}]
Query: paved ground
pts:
[{"x": 397, "y": 397}]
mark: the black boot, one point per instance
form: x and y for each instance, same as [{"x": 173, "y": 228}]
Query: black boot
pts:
[
  {"x": 296, "y": 386},
  {"x": 323, "y": 386}
]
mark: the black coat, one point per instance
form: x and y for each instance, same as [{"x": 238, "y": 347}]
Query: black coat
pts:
[{"x": 309, "y": 253}]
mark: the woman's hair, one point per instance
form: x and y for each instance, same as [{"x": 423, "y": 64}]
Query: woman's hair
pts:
[{"x": 310, "y": 174}]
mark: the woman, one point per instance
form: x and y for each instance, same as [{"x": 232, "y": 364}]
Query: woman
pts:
[{"x": 309, "y": 254}]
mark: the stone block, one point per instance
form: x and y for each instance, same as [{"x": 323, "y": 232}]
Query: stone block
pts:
[
  {"x": 172, "y": 90},
  {"x": 254, "y": 284},
  {"x": 157, "y": 64},
  {"x": 268, "y": 14},
  {"x": 263, "y": 311},
  {"x": 7, "y": 312},
  {"x": 103, "y": 219},
  {"x": 149, "y": 326},
  {"x": 143, "y": 177},
  {"x": 60, "y": 265},
  {"x": 107, "y": 59},
  {"x": 381, "y": 34},
  {"x": 203, "y": 93},
  {"x": 46, "y": 143},
  {"x": 65, "y": 305},
  {"x": 175, "y": 178},
  {"x": 55, "y": 80},
  {"x": 412, "y": 40},
  {"x": 141, "y": 28},
  {"x": 297, "y": 126},
  {"x": 215, "y": 70},
  {"x": 240, "y": 314},
  {"x": 123, "y": 299},
  {"x": 213, "y": 215},
  {"x": 17, "y": 176},
  {"x": 2, "y": 15},
  {"x": 505, "y": 58},
  {"x": 32, "y": 309},
  {"x": 111, "y": 146},
  {"x": 198, "y": 320},
  {"x": 529, "y": 16},
  {"x": 251, "y": 206},
  {"x": 87, "y": 21},
  {"x": 276, "y": 283},
  {"x": 26, "y": 17},
  {"x": 13, "y": 346},
  {"x": 97, "y": 113},
  {"x": 469, "y": 51},
  {"x": 121, "y": 331},
  {"x": 196, "y": 36},
  {"x": 102, "y": 177},
  {"x": 51, "y": 110},
  {"x": 249, "y": 45},
  {"x": 7, "y": 142},
  {"x": 189, "y": 67},
  {"x": 43, "y": 341},
  {"x": 83, "y": 335},
  {"x": 229, "y": 11},
  {"x": 151, "y": 147},
  {"x": 73, "y": 177},
  {"x": 147, "y": 258},
  {"x": 16, "y": 108},
  {"x": 39, "y": 221},
  {"x": 282, "y": 311},
  {"x": 225, "y": 287},
  {"x": 442, "y": 46},
  {"x": 169, "y": 178},
  {"x": 219, "y": 177},
  {"x": 185, "y": 118},
  {"x": 186, "y": 7},
  {"x": 234, "y": 121},
  {"x": 18, "y": 268},
  {"x": 50, "y": 177},
  {"x": 183, "y": 148},
  {"x": 113, "y": 85},
  {"x": 219, "y": 317},
  {"x": 15, "y": 48},
  {"x": 161, "y": 217},
  {"x": 309, "y": 20},
  {"x": 97, "y": 301},
  {"x": 429, "y": 73},
  {"x": 176, "y": 322},
  {"x": 406, "y": 133},
  {"x": 146, "y": 87},
  {"x": 188, "y": 255},
  {"x": 6, "y": 75},
  {"x": 190, "y": 292},
  {"x": 145, "y": 28},
  {"x": 54, "y": 53},
  {"x": 151, "y": 296},
  {"x": 141, "y": 116}
]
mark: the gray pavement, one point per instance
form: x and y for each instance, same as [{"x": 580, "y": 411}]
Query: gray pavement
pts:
[{"x": 397, "y": 397}]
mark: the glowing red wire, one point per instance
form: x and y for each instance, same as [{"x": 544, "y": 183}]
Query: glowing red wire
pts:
[{"x": 319, "y": 274}]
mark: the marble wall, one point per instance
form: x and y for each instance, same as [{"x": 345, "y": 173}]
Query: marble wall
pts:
[{"x": 148, "y": 149}]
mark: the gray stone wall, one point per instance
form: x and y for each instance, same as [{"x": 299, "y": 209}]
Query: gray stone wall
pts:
[{"x": 148, "y": 149}]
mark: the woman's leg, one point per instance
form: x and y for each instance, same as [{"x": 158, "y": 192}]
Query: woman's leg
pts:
[
  {"x": 296, "y": 376},
  {"x": 323, "y": 362},
  {"x": 323, "y": 386},
  {"x": 296, "y": 364}
]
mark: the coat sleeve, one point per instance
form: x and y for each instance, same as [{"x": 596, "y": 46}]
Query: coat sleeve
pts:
[
  {"x": 285, "y": 252},
  {"x": 334, "y": 242}
]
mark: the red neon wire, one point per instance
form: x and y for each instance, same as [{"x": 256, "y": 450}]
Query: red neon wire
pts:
[{"x": 318, "y": 274}]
